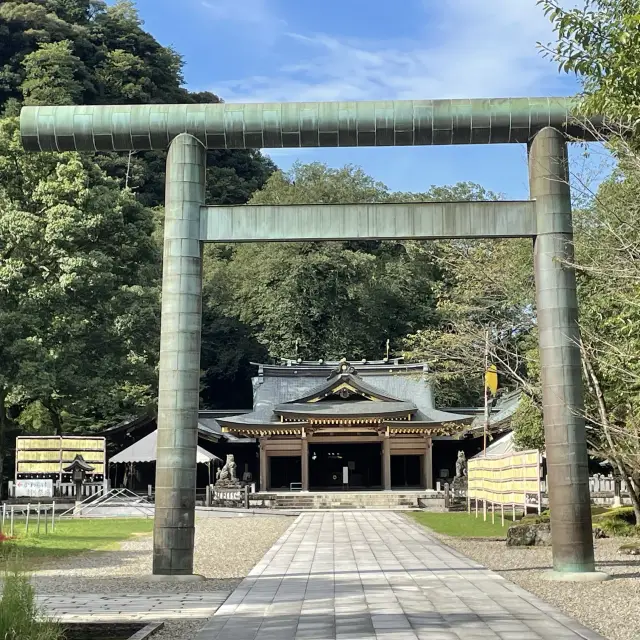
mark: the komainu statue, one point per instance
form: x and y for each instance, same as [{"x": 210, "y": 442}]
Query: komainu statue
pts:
[
  {"x": 460, "y": 481},
  {"x": 226, "y": 477},
  {"x": 461, "y": 465}
]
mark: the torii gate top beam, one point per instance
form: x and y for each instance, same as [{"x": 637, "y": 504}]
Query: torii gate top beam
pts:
[{"x": 303, "y": 124}]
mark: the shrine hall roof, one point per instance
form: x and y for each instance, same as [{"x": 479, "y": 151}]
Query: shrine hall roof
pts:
[
  {"x": 397, "y": 387},
  {"x": 345, "y": 408}
]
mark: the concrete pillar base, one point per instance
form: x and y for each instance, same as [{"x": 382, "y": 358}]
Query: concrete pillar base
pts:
[
  {"x": 191, "y": 577},
  {"x": 576, "y": 576}
]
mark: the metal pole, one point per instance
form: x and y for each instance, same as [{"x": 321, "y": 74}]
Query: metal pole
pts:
[
  {"x": 53, "y": 516},
  {"x": 493, "y": 513},
  {"x": 4, "y": 514},
  {"x": 11, "y": 531},
  {"x": 179, "y": 387},
  {"x": 561, "y": 375},
  {"x": 38, "y": 523},
  {"x": 486, "y": 392},
  {"x": 26, "y": 524},
  {"x": 46, "y": 525},
  {"x": 502, "y": 508}
]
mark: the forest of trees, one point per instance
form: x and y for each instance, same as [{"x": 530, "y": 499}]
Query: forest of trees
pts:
[{"x": 81, "y": 238}]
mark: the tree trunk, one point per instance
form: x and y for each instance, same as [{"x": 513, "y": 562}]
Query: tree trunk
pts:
[
  {"x": 596, "y": 389},
  {"x": 4, "y": 427},
  {"x": 55, "y": 416}
]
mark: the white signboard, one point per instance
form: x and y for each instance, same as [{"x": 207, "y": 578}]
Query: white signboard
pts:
[
  {"x": 34, "y": 488},
  {"x": 345, "y": 475}
]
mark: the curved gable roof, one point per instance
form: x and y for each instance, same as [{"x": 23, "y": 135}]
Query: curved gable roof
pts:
[{"x": 329, "y": 387}]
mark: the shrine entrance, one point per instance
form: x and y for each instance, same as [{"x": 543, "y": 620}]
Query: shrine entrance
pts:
[
  {"x": 328, "y": 461},
  {"x": 407, "y": 472}
]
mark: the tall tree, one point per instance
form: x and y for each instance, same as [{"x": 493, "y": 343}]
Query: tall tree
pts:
[
  {"x": 53, "y": 75},
  {"x": 80, "y": 335},
  {"x": 600, "y": 42},
  {"x": 78, "y": 279},
  {"x": 334, "y": 299},
  {"x": 88, "y": 52}
]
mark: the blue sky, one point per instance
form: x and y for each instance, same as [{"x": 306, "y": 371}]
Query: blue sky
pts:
[{"x": 304, "y": 50}]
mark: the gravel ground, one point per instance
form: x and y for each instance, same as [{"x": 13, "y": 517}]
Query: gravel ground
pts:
[
  {"x": 226, "y": 550},
  {"x": 611, "y": 608}
]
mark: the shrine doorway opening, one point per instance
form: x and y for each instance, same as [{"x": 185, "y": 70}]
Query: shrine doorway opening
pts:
[
  {"x": 327, "y": 460},
  {"x": 407, "y": 472},
  {"x": 283, "y": 471}
]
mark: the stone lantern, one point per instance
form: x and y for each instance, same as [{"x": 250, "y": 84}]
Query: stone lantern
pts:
[{"x": 78, "y": 470}]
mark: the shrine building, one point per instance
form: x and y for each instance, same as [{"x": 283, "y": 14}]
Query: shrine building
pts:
[{"x": 357, "y": 425}]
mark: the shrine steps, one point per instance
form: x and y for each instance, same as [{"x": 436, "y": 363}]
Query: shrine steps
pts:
[{"x": 384, "y": 500}]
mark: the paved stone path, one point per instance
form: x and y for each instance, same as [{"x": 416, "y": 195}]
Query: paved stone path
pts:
[
  {"x": 378, "y": 576},
  {"x": 95, "y": 607}
]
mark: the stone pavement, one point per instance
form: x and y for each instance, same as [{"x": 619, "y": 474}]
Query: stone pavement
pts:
[
  {"x": 95, "y": 607},
  {"x": 378, "y": 576}
]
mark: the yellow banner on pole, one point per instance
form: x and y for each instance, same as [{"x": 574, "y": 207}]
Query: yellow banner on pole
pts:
[{"x": 491, "y": 379}]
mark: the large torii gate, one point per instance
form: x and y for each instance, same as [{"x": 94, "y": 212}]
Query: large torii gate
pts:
[{"x": 189, "y": 130}]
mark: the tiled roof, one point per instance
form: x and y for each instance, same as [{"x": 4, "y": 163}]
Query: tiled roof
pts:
[{"x": 406, "y": 383}]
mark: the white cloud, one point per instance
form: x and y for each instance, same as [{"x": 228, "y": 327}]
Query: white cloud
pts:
[{"x": 473, "y": 48}]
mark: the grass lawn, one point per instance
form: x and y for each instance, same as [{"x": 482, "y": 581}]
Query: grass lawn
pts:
[
  {"x": 463, "y": 525},
  {"x": 73, "y": 536}
]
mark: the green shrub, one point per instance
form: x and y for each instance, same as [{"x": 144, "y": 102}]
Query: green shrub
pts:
[
  {"x": 614, "y": 522},
  {"x": 624, "y": 514},
  {"x": 536, "y": 518},
  {"x": 19, "y": 615},
  {"x": 618, "y": 522}
]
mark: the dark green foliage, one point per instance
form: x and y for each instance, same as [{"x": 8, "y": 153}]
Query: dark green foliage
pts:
[
  {"x": 327, "y": 300},
  {"x": 600, "y": 43},
  {"x": 88, "y": 52},
  {"x": 527, "y": 425},
  {"x": 53, "y": 75},
  {"x": 79, "y": 288}
]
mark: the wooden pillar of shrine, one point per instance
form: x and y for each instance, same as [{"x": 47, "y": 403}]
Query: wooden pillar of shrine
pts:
[
  {"x": 304, "y": 462},
  {"x": 427, "y": 465},
  {"x": 264, "y": 467},
  {"x": 386, "y": 462}
]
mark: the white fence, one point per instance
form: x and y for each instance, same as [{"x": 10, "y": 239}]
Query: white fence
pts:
[
  {"x": 600, "y": 483},
  {"x": 68, "y": 489}
]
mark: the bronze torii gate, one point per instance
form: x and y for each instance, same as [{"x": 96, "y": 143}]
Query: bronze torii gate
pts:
[{"x": 189, "y": 130}]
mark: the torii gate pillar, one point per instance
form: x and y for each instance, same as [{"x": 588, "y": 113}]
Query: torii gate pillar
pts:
[
  {"x": 559, "y": 340},
  {"x": 180, "y": 336}
]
